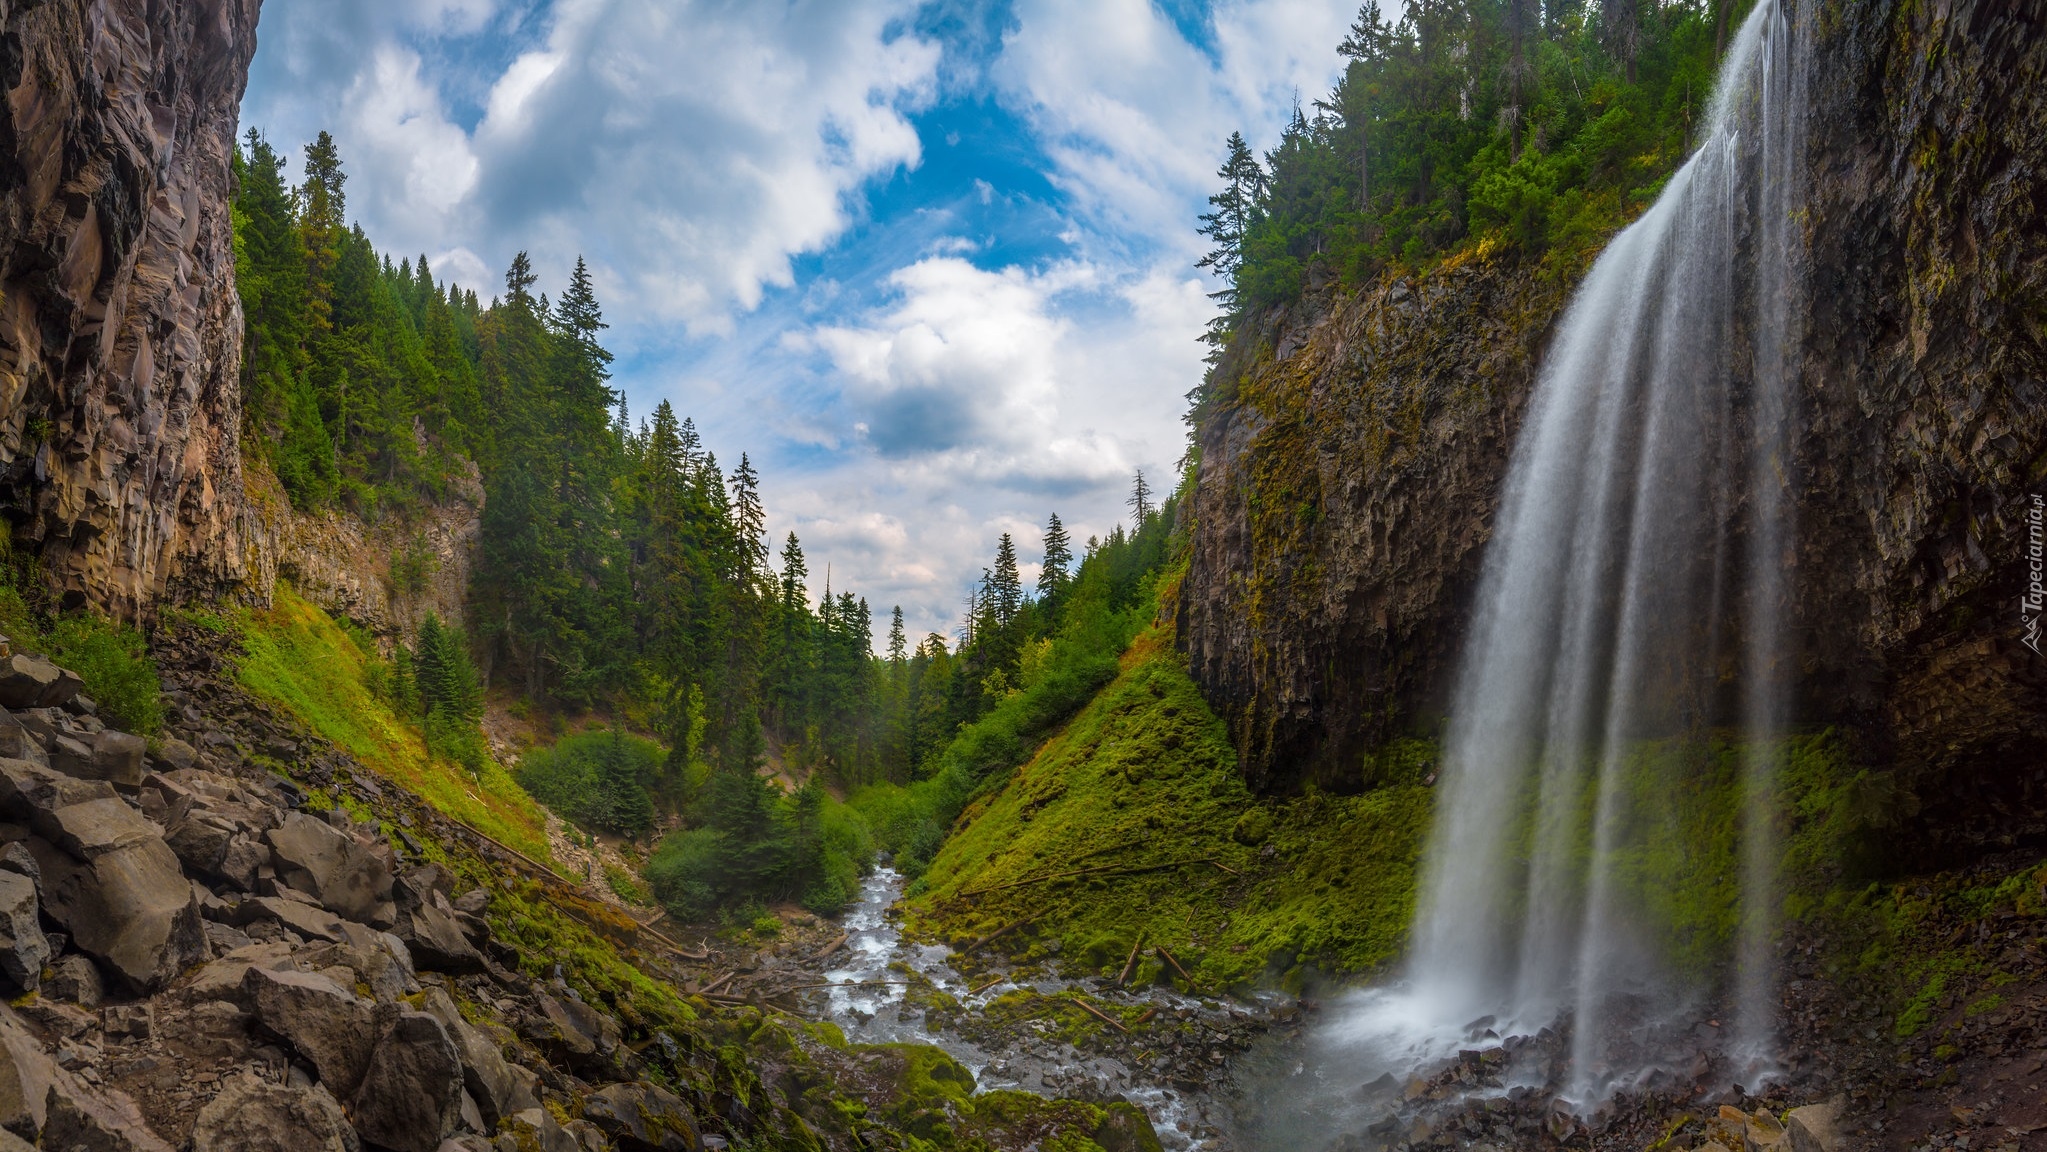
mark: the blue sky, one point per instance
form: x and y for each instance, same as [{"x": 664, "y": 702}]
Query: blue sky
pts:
[{"x": 929, "y": 262}]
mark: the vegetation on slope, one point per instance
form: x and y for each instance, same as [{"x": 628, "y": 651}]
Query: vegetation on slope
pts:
[
  {"x": 112, "y": 659},
  {"x": 299, "y": 659},
  {"x": 1140, "y": 798}
]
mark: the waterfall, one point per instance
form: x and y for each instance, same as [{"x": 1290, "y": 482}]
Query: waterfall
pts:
[{"x": 1604, "y": 850}]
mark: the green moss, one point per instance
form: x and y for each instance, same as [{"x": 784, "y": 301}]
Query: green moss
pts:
[
  {"x": 298, "y": 658},
  {"x": 1141, "y": 791}
]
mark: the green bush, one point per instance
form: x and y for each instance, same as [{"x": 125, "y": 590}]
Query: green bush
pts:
[
  {"x": 114, "y": 662},
  {"x": 757, "y": 843},
  {"x": 598, "y": 778}
]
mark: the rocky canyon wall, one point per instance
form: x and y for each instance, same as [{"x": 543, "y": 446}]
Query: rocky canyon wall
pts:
[
  {"x": 120, "y": 331},
  {"x": 1353, "y": 448}
]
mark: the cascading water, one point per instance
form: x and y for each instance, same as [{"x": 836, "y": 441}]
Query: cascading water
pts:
[{"x": 1614, "y": 730}]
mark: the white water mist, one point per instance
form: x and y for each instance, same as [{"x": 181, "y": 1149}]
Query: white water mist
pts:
[{"x": 1636, "y": 572}]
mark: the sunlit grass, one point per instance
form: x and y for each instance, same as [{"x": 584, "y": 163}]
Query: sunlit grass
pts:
[{"x": 300, "y": 659}]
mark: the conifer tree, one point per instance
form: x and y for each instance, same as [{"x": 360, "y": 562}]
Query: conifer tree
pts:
[
  {"x": 1053, "y": 576},
  {"x": 898, "y": 650},
  {"x": 1140, "y": 499},
  {"x": 1004, "y": 584}
]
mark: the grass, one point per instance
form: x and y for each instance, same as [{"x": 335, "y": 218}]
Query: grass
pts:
[
  {"x": 299, "y": 658},
  {"x": 1145, "y": 775}
]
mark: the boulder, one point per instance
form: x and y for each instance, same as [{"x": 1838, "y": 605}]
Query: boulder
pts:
[
  {"x": 117, "y": 757},
  {"x": 129, "y": 907},
  {"x": 1814, "y": 1128},
  {"x": 427, "y": 923},
  {"x": 412, "y": 1095},
  {"x": 25, "y": 1076},
  {"x": 226, "y": 978},
  {"x": 33, "y": 682},
  {"x": 97, "y": 827},
  {"x": 23, "y": 947},
  {"x": 491, "y": 1083},
  {"x": 9, "y": 1142},
  {"x": 336, "y": 869},
  {"x": 199, "y": 839},
  {"x": 302, "y": 918},
  {"x": 107, "y": 1121},
  {"x": 32, "y": 791},
  {"x": 74, "y": 979},
  {"x": 643, "y": 1117},
  {"x": 536, "y": 1127},
  {"x": 251, "y": 1115},
  {"x": 465, "y": 1142},
  {"x": 175, "y": 753},
  {"x": 72, "y": 756},
  {"x": 324, "y": 1022},
  {"x": 18, "y": 743}
]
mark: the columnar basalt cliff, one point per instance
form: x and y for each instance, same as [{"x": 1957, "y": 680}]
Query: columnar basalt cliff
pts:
[
  {"x": 1353, "y": 448},
  {"x": 120, "y": 330}
]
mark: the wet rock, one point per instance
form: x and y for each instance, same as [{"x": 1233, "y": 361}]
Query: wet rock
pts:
[
  {"x": 251, "y": 1115},
  {"x": 642, "y": 1117},
  {"x": 23, "y": 947},
  {"x": 412, "y": 1094},
  {"x": 325, "y": 1023},
  {"x": 129, "y": 906},
  {"x": 342, "y": 873}
]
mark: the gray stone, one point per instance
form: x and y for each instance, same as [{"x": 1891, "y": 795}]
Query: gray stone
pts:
[
  {"x": 32, "y": 792},
  {"x": 226, "y": 978},
  {"x": 26, "y": 1074},
  {"x": 23, "y": 947},
  {"x": 18, "y": 743},
  {"x": 25, "y": 682},
  {"x": 466, "y": 1142},
  {"x": 251, "y": 1115},
  {"x": 130, "y": 908},
  {"x": 643, "y": 1117},
  {"x": 324, "y": 1022},
  {"x": 412, "y": 1095},
  {"x": 540, "y": 1127},
  {"x": 71, "y": 755},
  {"x": 498, "y": 1093},
  {"x": 105, "y": 1121},
  {"x": 97, "y": 827},
  {"x": 302, "y": 918},
  {"x": 428, "y": 925},
  {"x": 117, "y": 757},
  {"x": 1814, "y": 1127},
  {"x": 75, "y": 979},
  {"x": 342, "y": 873},
  {"x": 175, "y": 753},
  {"x": 200, "y": 840}
]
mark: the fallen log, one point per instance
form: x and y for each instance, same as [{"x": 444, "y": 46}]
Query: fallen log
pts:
[
  {"x": 1130, "y": 965},
  {"x": 983, "y": 987},
  {"x": 1104, "y": 1017},
  {"x": 1168, "y": 958},
  {"x": 720, "y": 982},
  {"x": 834, "y": 946},
  {"x": 991, "y": 937}
]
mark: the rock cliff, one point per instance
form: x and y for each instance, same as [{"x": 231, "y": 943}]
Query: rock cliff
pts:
[
  {"x": 1352, "y": 447},
  {"x": 120, "y": 330}
]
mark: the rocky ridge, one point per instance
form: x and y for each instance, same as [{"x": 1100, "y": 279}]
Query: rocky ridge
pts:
[{"x": 1352, "y": 446}]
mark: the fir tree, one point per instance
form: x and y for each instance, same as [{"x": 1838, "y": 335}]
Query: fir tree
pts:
[
  {"x": 1005, "y": 586},
  {"x": 1140, "y": 499},
  {"x": 1053, "y": 576},
  {"x": 898, "y": 650}
]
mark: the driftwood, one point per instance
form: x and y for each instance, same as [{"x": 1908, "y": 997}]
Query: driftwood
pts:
[
  {"x": 1104, "y": 1017},
  {"x": 834, "y": 946},
  {"x": 1130, "y": 965},
  {"x": 843, "y": 984},
  {"x": 992, "y": 982},
  {"x": 1106, "y": 869},
  {"x": 1148, "y": 1014},
  {"x": 720, "y": 982}
]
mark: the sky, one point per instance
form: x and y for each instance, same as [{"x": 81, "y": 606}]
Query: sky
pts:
[{"x": 929, "y": 263}]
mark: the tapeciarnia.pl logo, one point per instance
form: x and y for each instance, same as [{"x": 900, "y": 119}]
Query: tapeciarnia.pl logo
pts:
[{"x": 2036, "y": 585}]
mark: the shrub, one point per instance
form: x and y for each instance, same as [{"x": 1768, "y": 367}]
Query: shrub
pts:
[
  {"x": 597, "y": 778},
  {"x": 115, "y": 665}
]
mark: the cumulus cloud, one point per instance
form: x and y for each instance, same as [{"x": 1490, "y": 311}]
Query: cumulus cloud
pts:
[{"x": 689, "y": 150}]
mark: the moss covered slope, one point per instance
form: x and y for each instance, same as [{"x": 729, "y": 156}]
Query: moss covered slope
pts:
[{"x": 1139, "y": 797}]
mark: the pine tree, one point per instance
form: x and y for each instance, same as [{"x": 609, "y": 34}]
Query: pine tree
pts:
[
  {"x": 1005, "y": 586},
  {"x": 750, "y": 521},
  {"x": 1230, "y": 224},
  {"x": 898, "y": 650},
  {"x": 1053, "y": 576},
  {"x": 1140, "y": 500},
  {"x": 621, "y": 794}
]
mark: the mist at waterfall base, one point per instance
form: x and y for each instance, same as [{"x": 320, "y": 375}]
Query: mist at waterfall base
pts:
[{"x": 1603, "y": 861}]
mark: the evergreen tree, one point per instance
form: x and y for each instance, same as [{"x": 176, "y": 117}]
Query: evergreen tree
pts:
[
  {"x": 1140, "y": 499},
  {"x": 1005, "y": 586},
  {"x": 1053, "y": 576},
  {"x": 898, "y": 650}
]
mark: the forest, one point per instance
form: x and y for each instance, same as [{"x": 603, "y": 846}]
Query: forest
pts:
[{"x": 624, "y": 574}]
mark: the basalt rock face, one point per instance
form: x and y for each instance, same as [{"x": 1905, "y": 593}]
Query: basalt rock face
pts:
[
  {"x": 120, "y": 330},
  {"x": 1353, "y": 449}
]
